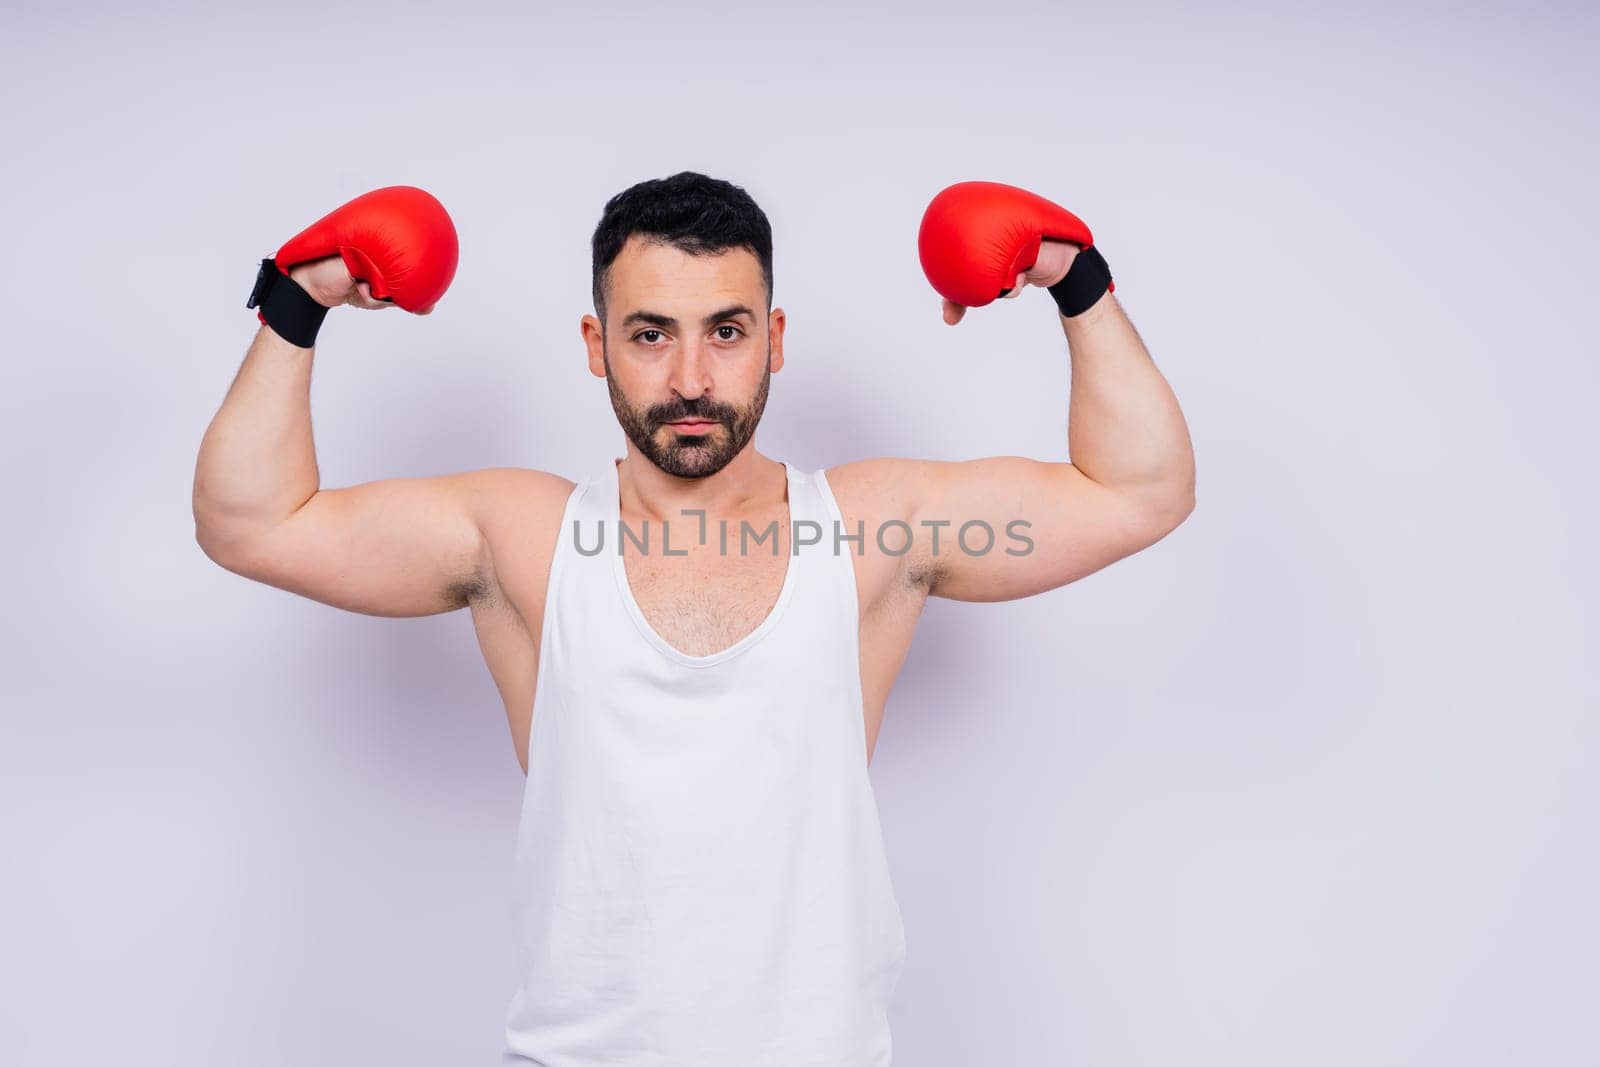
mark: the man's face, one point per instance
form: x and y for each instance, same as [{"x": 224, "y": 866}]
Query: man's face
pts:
[{"x": 687, "y": 353}]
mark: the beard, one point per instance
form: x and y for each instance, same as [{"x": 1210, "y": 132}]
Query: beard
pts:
[{"x": 690, "y": 455}]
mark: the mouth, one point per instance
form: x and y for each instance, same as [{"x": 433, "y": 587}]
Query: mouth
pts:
[{"x": 693, "y": 425}]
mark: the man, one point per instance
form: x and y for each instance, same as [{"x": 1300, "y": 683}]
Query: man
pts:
[{"x": 695, "y": 644}]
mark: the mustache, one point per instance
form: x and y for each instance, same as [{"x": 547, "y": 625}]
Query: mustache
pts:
[{"x": 690, "y": 409}]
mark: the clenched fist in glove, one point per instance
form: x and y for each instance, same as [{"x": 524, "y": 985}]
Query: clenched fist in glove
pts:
[
  {"x": 983, "y": 240},
  {"x": 394, "y": 245}
]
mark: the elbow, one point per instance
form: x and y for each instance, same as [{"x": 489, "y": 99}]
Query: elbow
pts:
[
  {"x": 228, "y": 550},
  {"x": 1183, "y": 505},
  {"x": 231, "y": 536},
  {"x": 1166, "y": 511},
  {"x": 1163, "y": 501},
  {"x": 207, "y": 527},
  {"x": 1177, "y": 503},
  {"x": 1180, "y": 506},
  {"x": 217, "y": 549},
  {"x": 206, "y": 531}
]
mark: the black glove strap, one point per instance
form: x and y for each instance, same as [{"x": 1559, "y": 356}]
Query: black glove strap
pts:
[
  {"x": 285, "y": 306},
  {"x": 1086, "y": 282}
]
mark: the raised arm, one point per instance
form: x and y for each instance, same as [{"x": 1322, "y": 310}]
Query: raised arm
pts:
[
  {"x": 397, "y": 547},
  {"x": 1131, "y": 478},
  {"x": 1130, "y": 482}
]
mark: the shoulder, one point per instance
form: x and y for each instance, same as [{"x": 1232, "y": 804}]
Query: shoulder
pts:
[
  {"x": 881, "y": 488},
  {"x": 518, "y": 509},
  {"x": 881, "y": 499},
  {"x": 520, "y": 492}
]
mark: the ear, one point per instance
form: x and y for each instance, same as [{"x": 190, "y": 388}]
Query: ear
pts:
[
  {"x": 775, "y": 322},
  {"x": 594, "y": 340}
]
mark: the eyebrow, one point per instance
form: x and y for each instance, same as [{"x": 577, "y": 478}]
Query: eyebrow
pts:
[{"x": 667, "y": 322}]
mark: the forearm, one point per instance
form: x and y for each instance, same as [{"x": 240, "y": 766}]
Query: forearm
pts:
[
  {"x": 1124, "y": 427},
  {"x": 257, "y": 461}
]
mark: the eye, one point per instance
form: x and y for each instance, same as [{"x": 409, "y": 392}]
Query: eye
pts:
[
  {"x": 641, "y": 335},
  {"x": 735, "y": 329}
]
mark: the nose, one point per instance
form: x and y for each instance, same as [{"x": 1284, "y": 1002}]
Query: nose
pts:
[{"x": 691, "y": 371}]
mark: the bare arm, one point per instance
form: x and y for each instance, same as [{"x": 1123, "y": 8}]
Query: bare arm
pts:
[
  {"x": 1131, "y": 480},
  {"x": 397, "y": 547}
]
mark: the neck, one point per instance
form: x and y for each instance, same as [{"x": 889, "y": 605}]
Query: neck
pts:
[{"x": 749, "y": 482}]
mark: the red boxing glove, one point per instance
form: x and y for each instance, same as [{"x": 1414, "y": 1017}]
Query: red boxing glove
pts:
[
  {"x": 398, "y": 239},
  {"x": 976, "y": 237}
]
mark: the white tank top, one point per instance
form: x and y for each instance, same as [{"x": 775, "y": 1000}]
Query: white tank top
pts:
[{"x": 700, "y": 874}]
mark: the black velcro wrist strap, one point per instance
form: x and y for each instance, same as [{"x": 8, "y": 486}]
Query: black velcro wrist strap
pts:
[
  {"x": 1086, "y": 282},
  {"x": 285, "y": 306}
]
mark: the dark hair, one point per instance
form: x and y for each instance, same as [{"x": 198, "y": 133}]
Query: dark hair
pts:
[{"x": 690, "y": 212}]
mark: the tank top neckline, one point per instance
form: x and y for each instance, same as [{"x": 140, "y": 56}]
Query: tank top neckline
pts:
[{"x": 613, "y": 489}]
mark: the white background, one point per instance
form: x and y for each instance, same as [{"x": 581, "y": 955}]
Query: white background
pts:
[{"x": 1308, "y": 782}]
